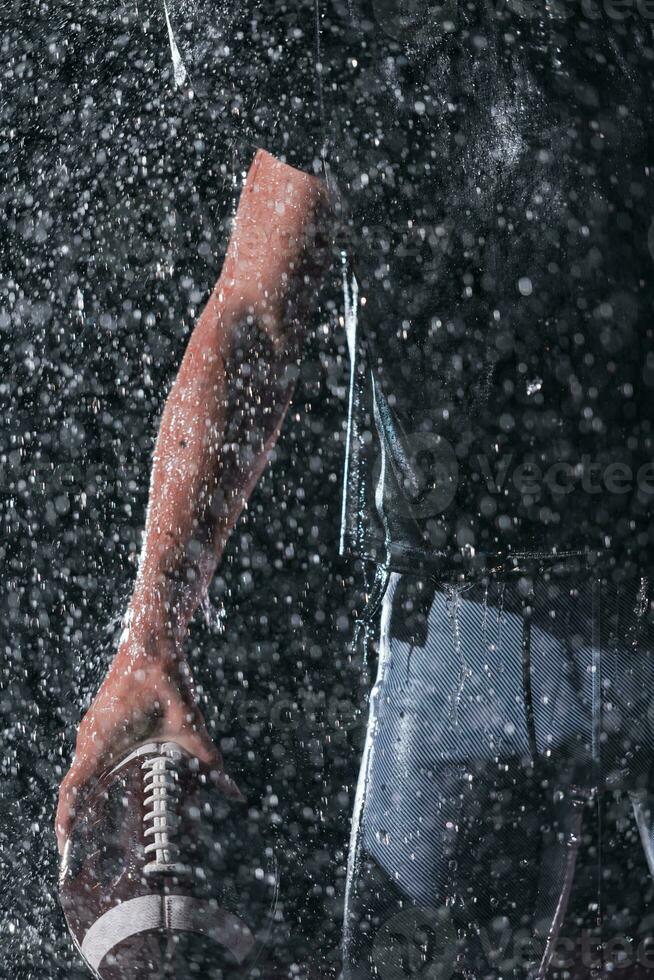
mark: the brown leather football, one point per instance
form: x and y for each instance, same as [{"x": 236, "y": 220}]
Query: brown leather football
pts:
[{"x": 165, "y": 874}]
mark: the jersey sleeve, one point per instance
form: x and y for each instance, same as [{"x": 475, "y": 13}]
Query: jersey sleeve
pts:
[{"x": 255, "y": 65}]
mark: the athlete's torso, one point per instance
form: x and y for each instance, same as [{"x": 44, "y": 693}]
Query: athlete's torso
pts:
[
  {"x": 491, "y": 168},
  {"x": 498, "y": 184}
]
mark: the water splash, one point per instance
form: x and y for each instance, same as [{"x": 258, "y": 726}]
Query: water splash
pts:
[
  {"x": 213, "y": 617},
  {"x": 350, "y": 315},
  {"x": 453, "y": 605},
  {"x": 492, "y": 663},
  {"x": 642, "y": 599},
  {"x": 78, "y": 304},
  {"x": 356, "y": 834},
  {"x": 180, "y": 73}
]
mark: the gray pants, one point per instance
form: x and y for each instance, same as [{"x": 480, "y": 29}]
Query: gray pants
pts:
[{"x": 502, "y": 711}]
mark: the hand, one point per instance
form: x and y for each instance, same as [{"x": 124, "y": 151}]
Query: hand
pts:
[{"x": 142, "y": 698}]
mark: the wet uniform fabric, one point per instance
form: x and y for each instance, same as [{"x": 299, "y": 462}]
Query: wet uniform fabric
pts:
[
  {"x": 500, "y": 711},
  {"x": 498, "y": 186},
  {"x": 490, "y": 167}
]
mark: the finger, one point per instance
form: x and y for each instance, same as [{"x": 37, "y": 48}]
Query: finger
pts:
[
  {"x": 192, "y": 735},
  {"x": 199, "y": 745},
  {"x": 62, "y": 827},
  {"x": 65, "y": 814},
  {"x": 75, "y": 789},
  {"x": 227, "y": 785}
]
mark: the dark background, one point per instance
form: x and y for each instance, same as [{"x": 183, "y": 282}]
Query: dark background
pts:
[{"x": 115, "y": 201}]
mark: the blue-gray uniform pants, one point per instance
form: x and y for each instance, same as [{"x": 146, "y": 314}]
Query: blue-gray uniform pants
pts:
[{"x": 501, "y": 711}]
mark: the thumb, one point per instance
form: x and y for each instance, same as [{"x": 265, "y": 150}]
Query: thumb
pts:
[
  {"x": 75, "y": 788},
  {"x": 199, "y": 744},
  {"x": 184, "y": 724}
]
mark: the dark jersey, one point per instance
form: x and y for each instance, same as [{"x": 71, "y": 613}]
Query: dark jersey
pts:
[
  {"x": 500, "y": 197},
  {"x": 491, "y": 168},
  {"x": 254, "y": 66}
]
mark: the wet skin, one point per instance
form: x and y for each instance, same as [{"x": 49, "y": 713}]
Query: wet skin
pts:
[{"x": 221, "y": 420}]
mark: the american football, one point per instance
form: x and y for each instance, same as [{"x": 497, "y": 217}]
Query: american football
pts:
[{"x": 164, "y": 873}]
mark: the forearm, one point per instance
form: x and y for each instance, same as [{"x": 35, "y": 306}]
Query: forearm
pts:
[
  {"x": 228, "y": 402},
  {"x": 218, "y": 427}
]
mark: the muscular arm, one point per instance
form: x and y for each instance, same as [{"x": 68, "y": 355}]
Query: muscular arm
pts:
[
  {"x": 220, "y": 422},
  {"x": 234, "y": 385}
]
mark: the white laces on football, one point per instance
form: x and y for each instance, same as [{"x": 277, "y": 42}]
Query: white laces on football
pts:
[{"x": 161, "y": 818}]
